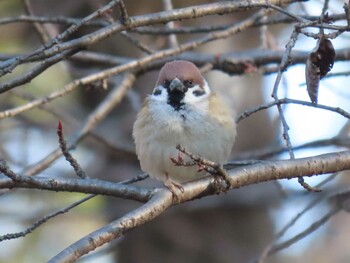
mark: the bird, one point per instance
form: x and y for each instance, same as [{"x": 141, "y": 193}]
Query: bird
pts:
[{"x": 182, "y": 110}]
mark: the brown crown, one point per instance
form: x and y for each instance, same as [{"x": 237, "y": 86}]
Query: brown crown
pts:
[{"x": 181, "y": 69}]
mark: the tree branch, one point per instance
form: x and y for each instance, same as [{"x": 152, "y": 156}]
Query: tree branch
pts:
[
  {"x": 162, "y": 198},
  {"x": 137, "y": 21},
  {"x": 113, "y": 99}
]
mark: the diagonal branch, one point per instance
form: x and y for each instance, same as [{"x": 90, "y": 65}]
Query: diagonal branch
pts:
[
  {"x": 239, "y": 177},
  {"x": 137, "y": 21},
  {"x": 9, "y": 65},
  {"x": 162, "y": 198},
  {"x": 113, "y": 99},
  {"x": 158, "y": 55},
  {"x": 248, "y": 113},
  {"x": 153, "y": 208}
]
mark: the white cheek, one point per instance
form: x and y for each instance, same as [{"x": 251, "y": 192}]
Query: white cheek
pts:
[
  {"x": 163, "y": 96},
  {"x": 190, "y": 98}
]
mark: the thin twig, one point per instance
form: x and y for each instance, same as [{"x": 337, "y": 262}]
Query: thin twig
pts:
[
  {"x": 230, "y": 63},
  {"x": 320, "y": 35},
  {"x": 173, "y": 42},
  {"x": 158, "y": 55},
  {"x": 16, "y": 178},
  {"x": 268, "y": 249},
  {"x": 64, "y": 210},
  {"x": 239, "y": 177},
  {"x": 60, "y": 20},
  {"x": 271, "y": 151},
  {"x": 314, "y": 226},
  {"x": 284, "y": 63},
  {"x": 43, "y": 34},
  {"x": 166, "y": 16},
  {"x": 65, "y": 151},
  {"x": 10, "y": 65},
  {"x": 347, "y": 12},
  {"x": 247, "y": 113},
  {"x": 156, "y": 30},
  {"x": 204, "y": 164},
  {"x": 284, "y": 11},
  {"x": 43, "y": 164},
  {"x": 137, "y": 43},
  {"x": 124, "y": 17},
  {"x": 113, "y": 98},
  {"x": 44, "y": 220},
  {"x": 162, "y": 199},
  {"x": 36, "y": 71},
  {"x": 263, "y": 34}
]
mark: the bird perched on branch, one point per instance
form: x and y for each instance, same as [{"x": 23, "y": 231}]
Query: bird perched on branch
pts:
[{"x": 182, "y": 110}]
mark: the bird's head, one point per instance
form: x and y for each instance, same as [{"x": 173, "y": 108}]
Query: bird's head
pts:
[{"x": 179, "y": 83}]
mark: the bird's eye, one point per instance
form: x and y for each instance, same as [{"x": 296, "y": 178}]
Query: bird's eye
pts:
[
  {"x": 188, "y": 83},
  {"x": 157, "y": 92},
  {"x": 166, "y": 83}
]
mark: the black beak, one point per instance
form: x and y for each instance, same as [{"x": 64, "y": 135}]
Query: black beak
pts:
[
  {"x": 176, "y": 94},
  {"x": 177, "y": 86}
]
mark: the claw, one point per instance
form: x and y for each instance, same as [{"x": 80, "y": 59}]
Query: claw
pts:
[
  {"x": 176, "y": 162},
  {"x": 219, "y": 185},
  {"x": 201, "y": 168},
  {"x": 180, "y": 156},
  {"x": 173, "y": 188}
]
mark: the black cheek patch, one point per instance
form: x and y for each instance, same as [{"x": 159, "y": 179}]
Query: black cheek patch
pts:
[
  {"x": 157, "y": 92},
  {"x": 198, "y": 92}
]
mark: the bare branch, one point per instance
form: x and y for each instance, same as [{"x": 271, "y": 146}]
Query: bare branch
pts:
[
  {"x": 314, "y": 226},
  {"x": 239, "y": 177},
  {"x": 284, "y": 63},
  {"x": 347, "y": 13},
  {"x": 173, "y": 42},
  {"x": 211, "y": 167},
  {"x": 113, "y": 98},
  {"x": 124, "y": 17},
  {"x": 63, "y": 145},
  {"x": 9, "y": 65},
  {"x": 63, "y": 211},
  {"x": 292, "y": 101},
  {"x": 44, "y": 220},
  {"x": 272, "y": 151},
  {"x": 162, "y": 199},
  {"x": 156, "y": 206},
  {"x": 158, "y": 55},
  {"x": 271, "y": 249},
  {"x": 150, "y": 19},
  {"x": 102, "y": 66},
  {"x": 157, "y": 30},
  {"x": 51, "y": 20},
  {"x": 170, "y": 52},
  {"x": 137, "y": 43},
  {"x": 43, "y": 34},
  {"x": 25, "y": 78}
]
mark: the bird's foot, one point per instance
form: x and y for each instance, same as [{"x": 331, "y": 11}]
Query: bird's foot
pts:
[
  {"x": 219, "y": 184},
  {"x": 221, "y": 180},
  {"x": 174, "y": 188}
]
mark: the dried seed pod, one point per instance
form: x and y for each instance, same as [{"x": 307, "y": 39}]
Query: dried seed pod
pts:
[
  {"x": 318, "y": 64},
  {"x": 312, "y": 75}
]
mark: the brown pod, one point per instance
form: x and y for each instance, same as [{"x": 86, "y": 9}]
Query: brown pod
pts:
[
  {"x": 318, "y": 64},
  {"x": 312, "y": 75},
  {"x": 327, "y": 52}
]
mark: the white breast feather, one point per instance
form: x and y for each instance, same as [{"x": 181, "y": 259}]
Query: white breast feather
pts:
[{"x": 191, "y": 127}]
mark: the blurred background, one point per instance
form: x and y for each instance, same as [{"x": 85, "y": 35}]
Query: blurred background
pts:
[{"x": 234, "y": 227}]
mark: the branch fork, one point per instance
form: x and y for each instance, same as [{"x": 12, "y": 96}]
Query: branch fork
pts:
[{"x": 221, "y": 182}]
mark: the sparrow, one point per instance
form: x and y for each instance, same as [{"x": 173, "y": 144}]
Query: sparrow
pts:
[{"x": 182, "y": 110}]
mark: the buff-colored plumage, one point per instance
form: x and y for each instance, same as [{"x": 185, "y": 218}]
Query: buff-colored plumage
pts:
[{"x": 204, "y": 126}]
